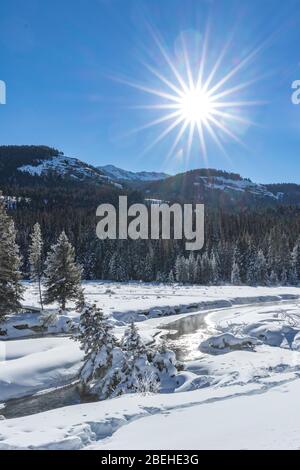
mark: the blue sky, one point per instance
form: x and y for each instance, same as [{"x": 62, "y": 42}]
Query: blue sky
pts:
[{"x": 62, "y": 61}]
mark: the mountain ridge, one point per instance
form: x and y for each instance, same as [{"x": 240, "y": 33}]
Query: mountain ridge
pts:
[
  {"x": 28, "y": 166},
  {"x": 117, "y": 173}
]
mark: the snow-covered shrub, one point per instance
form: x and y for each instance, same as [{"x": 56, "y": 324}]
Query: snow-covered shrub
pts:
[
  {"x": 227, "y": 342},
  {"x": 147, "y": 384},
  {"x": 278, "y": 335},
  {"x": 164, "y": 360},
  {"x": 56, "y": 322}
]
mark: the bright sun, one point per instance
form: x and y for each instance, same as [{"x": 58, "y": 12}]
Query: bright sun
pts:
[
  {"x": 195, "y": 106},
  {"x": 193, "y": 102}
]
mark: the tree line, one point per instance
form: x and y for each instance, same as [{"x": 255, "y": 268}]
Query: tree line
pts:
[{"x": 253, "y": 248}]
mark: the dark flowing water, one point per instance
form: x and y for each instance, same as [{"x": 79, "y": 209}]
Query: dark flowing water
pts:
[{"x": 64, "y": 396}]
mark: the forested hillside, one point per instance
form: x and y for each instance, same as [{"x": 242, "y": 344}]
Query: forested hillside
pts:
[{"x": 250, "y": 236}]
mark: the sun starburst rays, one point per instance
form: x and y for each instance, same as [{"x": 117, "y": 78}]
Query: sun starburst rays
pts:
[{"x": 193, "y": 104}]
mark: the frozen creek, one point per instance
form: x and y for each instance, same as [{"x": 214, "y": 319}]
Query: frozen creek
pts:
[{"x": 183, "y": 335}]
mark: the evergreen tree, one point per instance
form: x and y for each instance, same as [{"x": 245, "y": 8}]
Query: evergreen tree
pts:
[
  {"x": 10, "y": 287},
  {"x": 295, "y": 262},
  {"x": 138, "y": 372},
  {"x": 171, "y": 278},
  {"x": 132, "y": 342},
  {"x": 206, "y": 268},
  {"x": 235, "y": 274},
  {"x": 99, "y": 346},
  {"x": 181, "y": 269},
  {"x": 283, "y": 277},
  {"x": 198, "y": 272},
  {"x": 62, "y": 274},
  {"x": 36, "y": 258},
  {"x": 215, "y": 267},
  {"x": 261, "y": 271},
  {"x": 190, "y": 268},
  {"x": 117, "y": 268},
  {"x": 273, "y": 279},
  {"x": 148, "y": 268}
]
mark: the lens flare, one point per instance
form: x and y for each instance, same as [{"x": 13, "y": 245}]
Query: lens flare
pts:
[{"x": 194, "y": 102}]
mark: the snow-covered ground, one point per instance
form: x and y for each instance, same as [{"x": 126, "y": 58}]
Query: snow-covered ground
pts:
[{"x": 239, "y": 388}]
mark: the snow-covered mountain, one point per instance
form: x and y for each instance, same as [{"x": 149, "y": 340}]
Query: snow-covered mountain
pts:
[
  {"x": 63, "y": 166},
  {"x": 213, "y": 187},
  {"x": 243, "y": 185},
  {"x": 119, "y": 174},
  {"x": 30, "y": 166}
]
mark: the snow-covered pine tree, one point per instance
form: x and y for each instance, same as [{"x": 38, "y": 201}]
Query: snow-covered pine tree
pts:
[
  {"x": 283, "y": 277},
  {"x": 190, "y": 268},
  {"x": 261, "y": 269},
  {"x": 101, "y": 351},
  {"x": 206, "y": 269},
  {"x": 295, "y": 261},
  {"x": 252, "y": 275},
  {"x": 36, "y": 258},
  {"x": 137, "y": 370},
  {"x": 181, "y": 269},
  {"x": 132, "y": 341},
  {"x": 62, "y": 274},
  {"x": 215, "y": 265},
  {"x": 117, "y": 268},
  {"x": 198, "y": 272},
  {"x": 273, "y": 279},
  {"x": 171, "y": 278},
  {"x": 148, "y": 268},
  {"x": 235, "y": 274},
  {"x": 10, "y": 287}
]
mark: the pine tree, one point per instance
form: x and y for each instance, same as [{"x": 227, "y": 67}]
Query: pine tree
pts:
[
  {"x": 215, "y": 265},
  {"x": 171, "y": 278},
  {"x": 117, "y": 268},
  {"x": 198, "y": 272},
  {"x": 261, "y": 271},
  {"x": 206, "y": 269},
  {"x": 98, "y": 343},
  {"x": 62, "y": 275},
  {"x": 273, "y": 279},
  {"x": 132, "y": 342},
  {"x": 235, "y": 274},
  {"x": 36, "y": 258},
  {"x": 148, "y": 268},
  {"x": 283, "y": 277},
  {"x": 190, "y": 268},
  {"x": 138, "y": 372},
  {"x": 10, "y": 287},
  {"x": 295, "y": 262},
  {"x": 181, "y": 269}
]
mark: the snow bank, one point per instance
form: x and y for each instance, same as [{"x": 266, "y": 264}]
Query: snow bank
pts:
[
  {"x": 138, "y": 301},
  {"x": 227, "y": 342},
  {"x": 234, "y": 417},
  {"x": 36, "y": 364}
]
